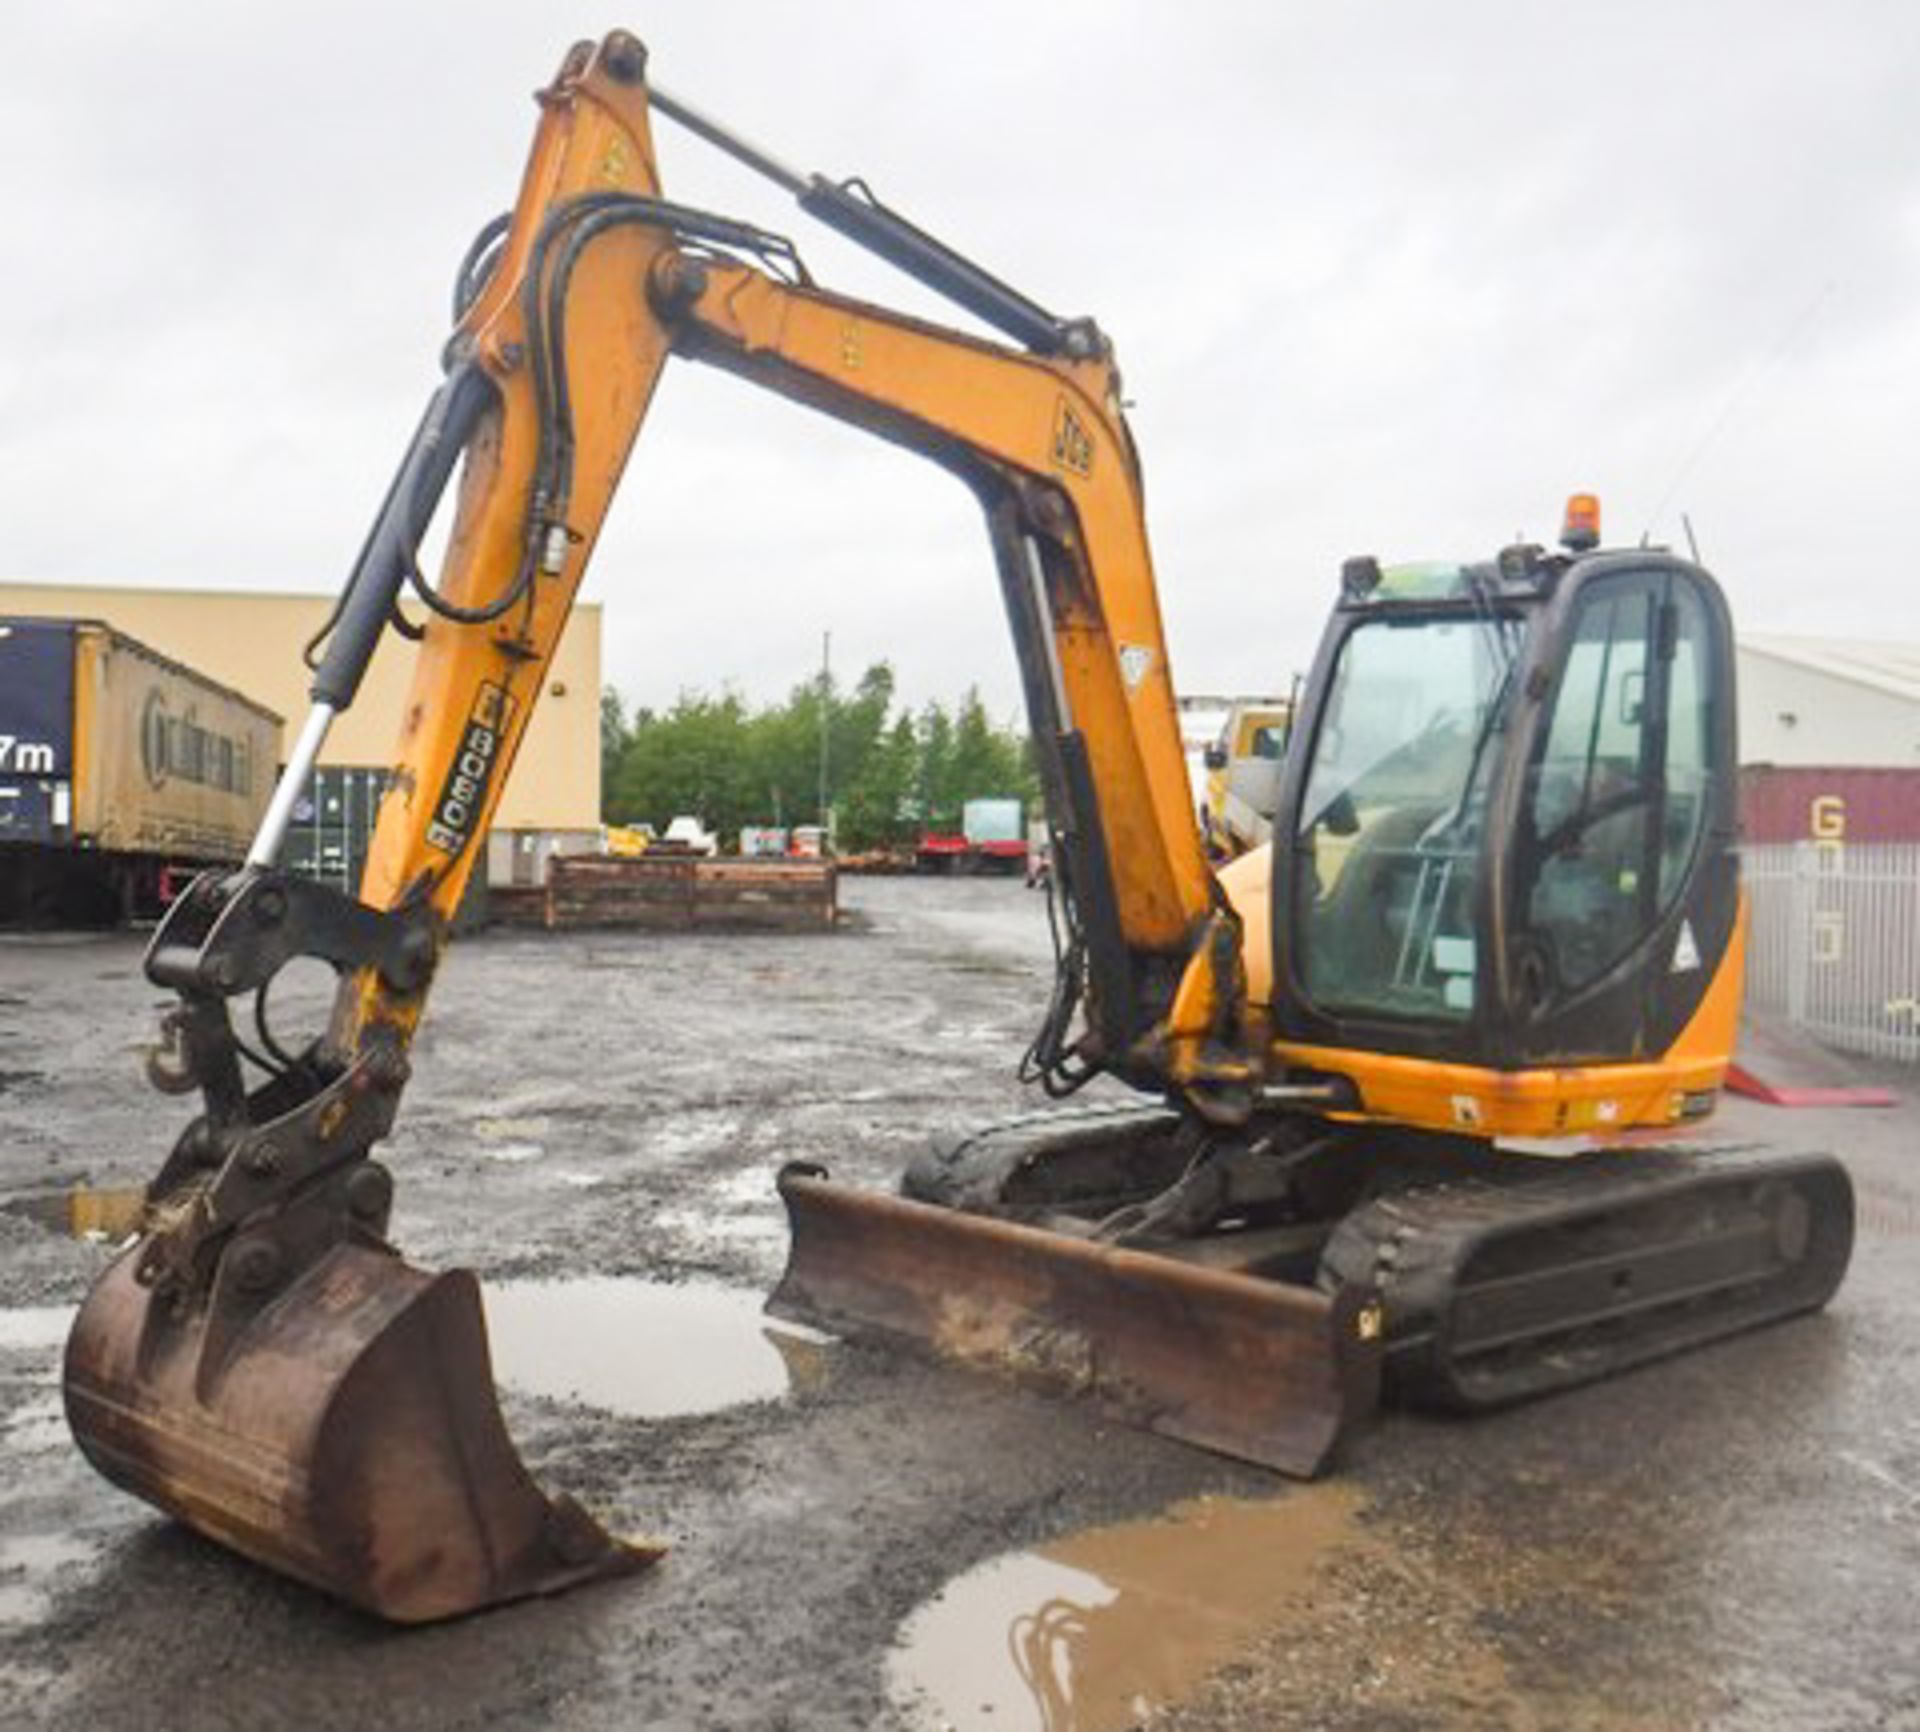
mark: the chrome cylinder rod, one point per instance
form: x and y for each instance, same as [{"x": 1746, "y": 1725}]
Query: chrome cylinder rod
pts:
[
  {"x": 293, "y": 782},
  {"x": 702, "y": 126}
]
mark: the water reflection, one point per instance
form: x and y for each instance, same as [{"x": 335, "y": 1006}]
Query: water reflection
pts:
[
  {"x": 1095, "y": 1631},
  {"x": 653, "y": 1349}
]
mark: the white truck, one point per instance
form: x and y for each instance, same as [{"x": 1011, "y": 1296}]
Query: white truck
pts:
[{"x": 686, "y": 831}]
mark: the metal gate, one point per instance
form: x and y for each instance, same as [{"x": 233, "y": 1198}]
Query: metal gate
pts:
[{"x": 1835, "y": 941}]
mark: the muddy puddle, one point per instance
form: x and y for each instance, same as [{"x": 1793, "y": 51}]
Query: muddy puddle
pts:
[
  {"x": 649, "y": 1349},
  {"x": 1095, "y": 1632}
]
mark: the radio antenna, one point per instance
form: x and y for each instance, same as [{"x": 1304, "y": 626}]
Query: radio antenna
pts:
[{"x": 1738, "y": 395}]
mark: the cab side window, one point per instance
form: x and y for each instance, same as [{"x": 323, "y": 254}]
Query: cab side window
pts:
[
  {"x": 1618, "y": 794},
  {"x": 1592, "y": 795},
  {"x": 1689, "y": 741}
]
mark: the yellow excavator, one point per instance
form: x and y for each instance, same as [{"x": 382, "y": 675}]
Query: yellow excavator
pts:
[
  {"x": 1501, "y": 913},
  {"x": 1243, "y": 777}
]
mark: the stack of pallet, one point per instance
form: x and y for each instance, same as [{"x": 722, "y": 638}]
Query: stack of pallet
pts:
[{"x": 683, "y": 893}]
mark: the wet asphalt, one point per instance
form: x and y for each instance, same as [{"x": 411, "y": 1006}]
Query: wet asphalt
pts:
[{"x": 1731, "y": 1539}]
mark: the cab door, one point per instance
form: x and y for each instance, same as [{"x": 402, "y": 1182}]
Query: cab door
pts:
[{"x": 1622, "y": 883}]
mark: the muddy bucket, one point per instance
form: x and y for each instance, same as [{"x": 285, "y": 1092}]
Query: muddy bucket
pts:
[
  {"x": 1260, "y": 1370},
  {"x": 345, "y": 1432}
]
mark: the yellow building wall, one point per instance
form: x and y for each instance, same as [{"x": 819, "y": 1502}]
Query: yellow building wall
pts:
[{"x": 252, "y": 641}]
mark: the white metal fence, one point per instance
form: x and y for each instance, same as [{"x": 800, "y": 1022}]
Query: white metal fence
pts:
[{"x": 1835, "y": 942}]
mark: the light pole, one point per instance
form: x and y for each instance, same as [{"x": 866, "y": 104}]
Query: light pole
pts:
[{"x": 826, "y": 689}]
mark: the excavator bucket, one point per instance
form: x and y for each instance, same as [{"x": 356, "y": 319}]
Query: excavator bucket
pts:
[
  {"x": 1267, "y": 1372},
  {"x": 345, "y": 1432}
]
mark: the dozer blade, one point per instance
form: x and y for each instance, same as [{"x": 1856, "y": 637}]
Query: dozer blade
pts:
[
  {"x": 1270, "y": 1373},
  {"x": 346, "y": 1433}
]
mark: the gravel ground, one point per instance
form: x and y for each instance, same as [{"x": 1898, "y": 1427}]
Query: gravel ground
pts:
[{"x": 1727, "y": 1540}]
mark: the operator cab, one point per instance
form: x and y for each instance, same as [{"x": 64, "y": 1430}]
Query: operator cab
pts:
[{"x": 1506, "y": 832}]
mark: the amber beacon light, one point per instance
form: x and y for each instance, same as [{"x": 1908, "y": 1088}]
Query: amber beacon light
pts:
[{"x": 1581, "y": 530}]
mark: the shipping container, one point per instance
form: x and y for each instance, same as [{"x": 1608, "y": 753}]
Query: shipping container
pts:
[
  {"x": 121, "y": 772},
  {"x": 333, "y": 822},
  {"x": 1842, "y": 804}
]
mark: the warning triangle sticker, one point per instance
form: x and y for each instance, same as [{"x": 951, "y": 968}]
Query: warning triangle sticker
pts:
[{"x": 1686, "y": 953}]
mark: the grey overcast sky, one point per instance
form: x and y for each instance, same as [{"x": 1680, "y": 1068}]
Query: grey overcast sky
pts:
[{"x": 1383, "y": 277}]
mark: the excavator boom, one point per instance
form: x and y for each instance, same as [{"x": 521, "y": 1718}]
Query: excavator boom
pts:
[{"x": 261, "y": 1362}]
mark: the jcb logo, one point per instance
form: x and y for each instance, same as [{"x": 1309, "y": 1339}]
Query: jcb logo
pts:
[
  {"x": 615, "y": 163},
  {"x": 1072, "y": 443},
  {"x": 463, "y": 795}
]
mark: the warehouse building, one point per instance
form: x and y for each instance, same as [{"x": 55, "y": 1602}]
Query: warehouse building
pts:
[
  {"x": 1829, "y": 701},
  {"x": 252, "y": 641},
  {"x": 1829, "y": 740}
]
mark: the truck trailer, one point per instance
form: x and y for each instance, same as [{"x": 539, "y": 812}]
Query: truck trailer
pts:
[
  {"x": 992, "y": 838},
  {"x": 122, "y": 773}
]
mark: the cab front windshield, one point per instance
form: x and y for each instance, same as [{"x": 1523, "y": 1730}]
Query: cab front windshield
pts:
[{"x": 1388, "y": 843}]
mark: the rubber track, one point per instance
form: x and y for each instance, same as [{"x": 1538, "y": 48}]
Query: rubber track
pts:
[{"x": 1411, "y": 1246}]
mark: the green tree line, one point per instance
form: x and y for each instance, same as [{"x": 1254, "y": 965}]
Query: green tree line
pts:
[{"x": 890, "y": 772}]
